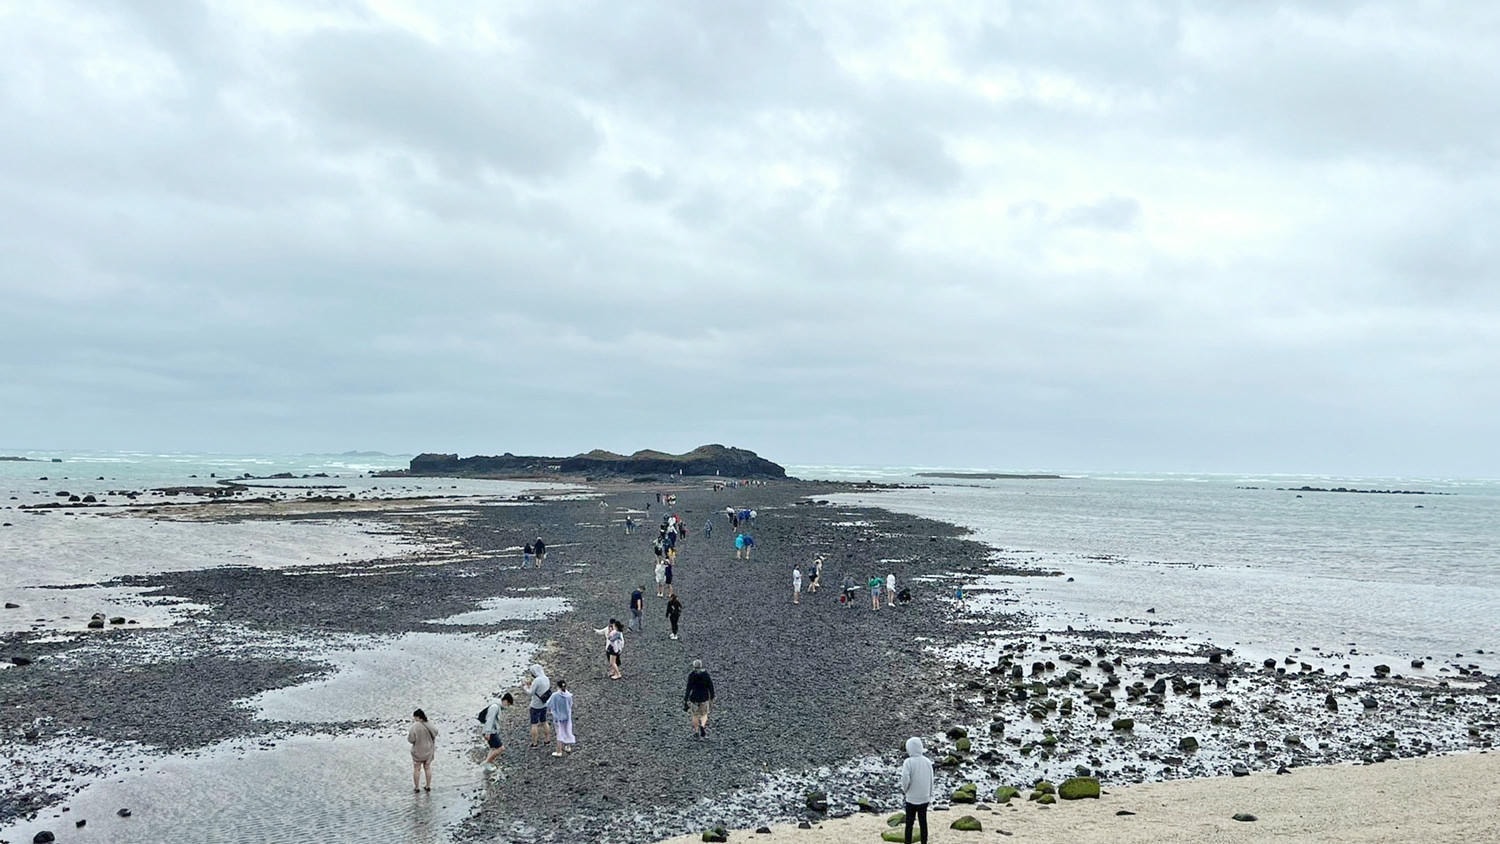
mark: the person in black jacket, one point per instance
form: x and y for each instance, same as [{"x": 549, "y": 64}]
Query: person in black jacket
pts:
[
  {"x": 674, "y": 613},
  {"x": 697, "y": 698}
]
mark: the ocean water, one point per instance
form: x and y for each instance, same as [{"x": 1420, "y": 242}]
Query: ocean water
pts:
[{"x": 1236, "y": 560}]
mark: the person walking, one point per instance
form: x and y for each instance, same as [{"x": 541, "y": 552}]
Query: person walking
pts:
[
  {"x": 796, "y": 583},
  {"x": 526, "y": 553},
  {"x": 491, "y": 730},
  {"x": 541, "y": 551},
  {"x": 739, "y": 546},
  {"x": 698, "y": 698},
  {"x": 890, "y": 589},
  {"x": 614, "y": 644},
  {"x": 814, "y": 575},
  {"x": 674, "y": 614},
  {"x": 667, "y": 573},
  {"x": 708, "y": 528},
  {"x": 637, "y": 609},
  {"x": 661, "y": 577},
  {"x": 422, "y": 737},
  {"x": 629, "y": 524},
  {"x": 916, "y": 786},
  {"x": 560, "y": 708},
  {"x": 540, "y": 689}
]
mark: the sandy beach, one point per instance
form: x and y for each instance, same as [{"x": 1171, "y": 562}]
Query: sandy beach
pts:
[{"x": 1440, "y": 799}]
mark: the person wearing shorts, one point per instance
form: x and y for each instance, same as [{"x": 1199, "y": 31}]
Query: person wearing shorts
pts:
[
  {"x": 491, "y": 730},
  {"x": 698, "y": 698},
  {"x": 813, "y": 575},
  {"x": 540, "y": 689}
]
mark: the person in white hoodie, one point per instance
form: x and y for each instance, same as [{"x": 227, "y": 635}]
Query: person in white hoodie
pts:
[{"x": 916, "y": 786}]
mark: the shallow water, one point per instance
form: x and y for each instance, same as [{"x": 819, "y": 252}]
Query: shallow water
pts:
[{"x": 1399, "y": 575}]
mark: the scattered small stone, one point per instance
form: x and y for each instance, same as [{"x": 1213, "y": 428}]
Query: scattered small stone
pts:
[
  {"x": 1124, "y": 813},
  {"x": 763, "y": 830},
  {"x": 124, "y": 813},
  {"x": 80, "y": 824},
  {"x": 1240, "y": 769},
  {"x": 717, "y": 833},
  {"x": 804, "y": 825},
  {"x": 1245, "y": 817}
]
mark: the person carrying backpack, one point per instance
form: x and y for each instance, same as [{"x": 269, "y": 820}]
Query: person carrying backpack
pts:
[
  {"x": 540, "y": 690},
  {"x": 490, "y": 718}
]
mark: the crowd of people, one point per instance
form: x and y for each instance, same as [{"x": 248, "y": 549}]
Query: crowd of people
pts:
[{"x": 550, "y": 704}]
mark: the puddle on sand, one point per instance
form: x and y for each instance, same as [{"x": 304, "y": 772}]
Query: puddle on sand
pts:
[
  {"x": 390, "y": 677},
  {"x": 496, "y": 610},
  {"x": 356, "y": 787}
]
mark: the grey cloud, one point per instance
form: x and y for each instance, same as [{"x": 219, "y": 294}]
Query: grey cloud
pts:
[
  {"x": 462, "y": 110},
  {"x": 1114, "y": 213}
]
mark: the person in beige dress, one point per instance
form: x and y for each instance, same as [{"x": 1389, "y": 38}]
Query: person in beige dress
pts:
[{"x": 423, "y": 739}]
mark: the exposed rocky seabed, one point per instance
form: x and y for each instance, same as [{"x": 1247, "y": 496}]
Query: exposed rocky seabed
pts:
[{"x": 812, "y": 697}]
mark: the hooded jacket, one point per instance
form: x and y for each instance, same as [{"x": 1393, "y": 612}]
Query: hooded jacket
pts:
[
  {"x": 916, "y": 774},
  {"x": 539, "y": 686}
]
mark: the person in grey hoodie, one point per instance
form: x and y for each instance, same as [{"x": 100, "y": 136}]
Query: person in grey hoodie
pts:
[
  {"x": 916, "y": 786},
  {"x": 540, "y": 689}
]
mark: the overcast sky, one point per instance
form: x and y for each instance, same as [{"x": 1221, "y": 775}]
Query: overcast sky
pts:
[{"x": 1072, "y": 236}]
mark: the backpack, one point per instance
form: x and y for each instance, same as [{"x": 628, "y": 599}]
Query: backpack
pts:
[{"x": 484, "y": 714}]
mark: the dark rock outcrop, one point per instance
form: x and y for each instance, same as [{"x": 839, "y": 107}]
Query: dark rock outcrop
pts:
[{"x": 706, "y": 460}]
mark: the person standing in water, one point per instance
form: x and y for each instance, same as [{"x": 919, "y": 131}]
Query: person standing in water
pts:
[{"x": 423, "y": 740}]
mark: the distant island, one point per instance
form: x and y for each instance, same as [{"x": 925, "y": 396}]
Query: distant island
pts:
[
  {"x": 705, "y": 460},
  {"x": 989, "y": 476},
  {"x": 1350, "y": 489},
  {"x": 18, "y": 459}
]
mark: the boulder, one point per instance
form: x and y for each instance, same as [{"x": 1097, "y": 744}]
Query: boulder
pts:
[
  {"x": 895, "y": 819},
  {"x": 1123, "y": 725},
  {"x": 1187, "y": 744},
  {"x": 96, "y": 624},
  {"x": 1245, "y": 817},
  {"x": 956, "y": 733},
  {"x": 865, "y": 805},
  {"x": 962, "y": 745},
  {"x": 1240, "y": 769},
  {"x": 1079, "y": 788},
  {"x": 967, "y": 823},
  {"x": 966, "y": 793},
  {"x": 119, "y": 619},
  {"x": 817, "y": 801},
  {"x": 898, "y": 834},
  {"x": 43, "y": 837},
  {"x": 1046, "y": 799},
  {"x": 11, "y": 606},
  {"x": 1005, "y": 793},
  {"x": 717, "y": 833},
  {"x": 763, "y": 830},
  {"x": 20, "y": 660}
]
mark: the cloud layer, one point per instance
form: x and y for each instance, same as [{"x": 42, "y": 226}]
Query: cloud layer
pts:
[{"x": 1151, "y": 236}]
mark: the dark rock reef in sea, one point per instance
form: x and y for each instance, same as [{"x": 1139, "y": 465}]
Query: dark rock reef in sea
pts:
[{"x": 725, "y": 461}]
